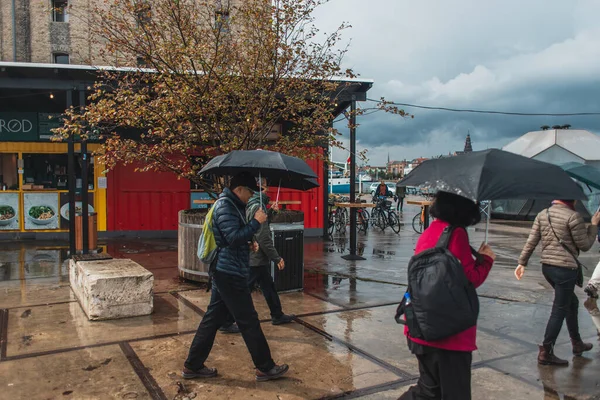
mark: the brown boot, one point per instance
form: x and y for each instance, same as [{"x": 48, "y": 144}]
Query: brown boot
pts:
[
  {"x": 579, "y": 347},
  {"x": 547, "y": 357}
]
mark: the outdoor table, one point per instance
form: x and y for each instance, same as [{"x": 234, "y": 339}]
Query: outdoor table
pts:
[
  {"x": 355, "y": 205},
  {"x": 281, "y": 203},
  {"x": 425, "y": 204}
]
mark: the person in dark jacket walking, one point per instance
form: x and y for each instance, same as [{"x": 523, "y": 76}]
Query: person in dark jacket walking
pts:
[
  {"x": 400, "y": 195},
  {"x": 445, "y": 365},
  {"x": 260, "y": 271},
  {"x": 230, "y": 291}
]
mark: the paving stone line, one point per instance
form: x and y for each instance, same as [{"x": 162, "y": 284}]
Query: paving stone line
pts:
[
  {"x": 368, "y": 356},
  {"x": 142, "y": 372},
  {"x": 353, "y": 394},
  {"x": 91, "y": 346},
  {"x": 3, "y": 333},
  {"x": 42, "y": 304},
  {"x": 326, "y": 300},
  {"x": 188, "y": 303}
]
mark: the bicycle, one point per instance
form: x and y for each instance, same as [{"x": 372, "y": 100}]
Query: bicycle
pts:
[
  {"x": 330, "y": 218},
  {"x": 418, "y": 221},
  {"x": 362, "y": 219},
  {"x": 385, "y": 216}
]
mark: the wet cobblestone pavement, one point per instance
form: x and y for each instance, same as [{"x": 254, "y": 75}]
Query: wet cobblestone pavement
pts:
[{"x": 345, "y": 343}]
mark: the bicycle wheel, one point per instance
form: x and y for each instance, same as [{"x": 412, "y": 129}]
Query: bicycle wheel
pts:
[
  {"x": 417, "y": 224},
  {"x": 330, "y": 223},
  {"x": 383, "y": 220},
  {"x": 375, "y": 217},
  {"x": 341, "y": 219},
  {"x": 366, "y": 218},
  {"x": 394, "y": 222}
]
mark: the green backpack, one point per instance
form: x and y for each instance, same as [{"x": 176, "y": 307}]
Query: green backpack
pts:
[{"x": 207, "y": 245}]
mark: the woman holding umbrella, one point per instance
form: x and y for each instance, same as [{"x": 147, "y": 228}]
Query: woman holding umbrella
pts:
[
  {"x": 563, "y": 234},
  {"x": 445, "y": 365}
]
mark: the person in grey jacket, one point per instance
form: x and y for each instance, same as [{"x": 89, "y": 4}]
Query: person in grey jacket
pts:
[
  {"x": 559, "y": 228},
  {"x": 260, "y": 264},
  {"x": 260, "y": 261}
]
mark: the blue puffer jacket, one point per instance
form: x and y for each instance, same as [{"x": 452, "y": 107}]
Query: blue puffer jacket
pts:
[{"x": 232, "y": 235}]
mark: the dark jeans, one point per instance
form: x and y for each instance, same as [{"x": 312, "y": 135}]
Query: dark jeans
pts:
[
  {"x": 400, "y": 204},
  {"x": 565, "y": 303},
  {"x": 444, "y": 375},
  {"x": 230, "y": 293},
  {"x": 262, "y": 276}
]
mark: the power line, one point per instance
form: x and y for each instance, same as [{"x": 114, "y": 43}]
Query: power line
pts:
[{"x": 490, "y": 111}]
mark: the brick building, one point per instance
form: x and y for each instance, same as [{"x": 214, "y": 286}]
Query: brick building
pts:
[{"x": 55, "y": 31}]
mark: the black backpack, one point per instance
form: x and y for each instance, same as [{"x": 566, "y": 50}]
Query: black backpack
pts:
[{"x": 443, "y": 302}]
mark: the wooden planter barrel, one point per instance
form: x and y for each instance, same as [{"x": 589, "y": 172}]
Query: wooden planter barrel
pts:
[{"x": 189, "y": 232}]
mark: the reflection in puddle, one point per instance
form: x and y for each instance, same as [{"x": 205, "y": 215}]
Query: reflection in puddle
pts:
[{"x": 383, "y": 253}]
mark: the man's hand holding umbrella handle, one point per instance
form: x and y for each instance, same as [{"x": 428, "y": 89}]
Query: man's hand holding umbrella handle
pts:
[
  {"x": 260, "y": 216},
  {"x": 519, "y": 272},
  {"x": 281, "y": 264}
]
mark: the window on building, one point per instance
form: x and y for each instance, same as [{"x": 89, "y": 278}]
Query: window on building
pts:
[
  {"x": 222, "y": 21},
  {"x": 143, "y": 12},
  {"x": 61, "y": 58},
  {"x": 141, "y": 62},
  {"x": 60, "y": 10},
  {"x": 9, "y": 179}
]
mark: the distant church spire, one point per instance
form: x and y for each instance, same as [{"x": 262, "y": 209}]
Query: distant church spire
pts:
[
  {"x": 468, "y": 146},
  {"x": 388, "y": 157}
]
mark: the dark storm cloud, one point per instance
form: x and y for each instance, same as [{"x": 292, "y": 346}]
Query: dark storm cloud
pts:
[{"x": 497, "y": 55}]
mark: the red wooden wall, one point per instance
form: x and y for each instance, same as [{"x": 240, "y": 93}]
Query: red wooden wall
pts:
[{"x": 139, "y": 201}]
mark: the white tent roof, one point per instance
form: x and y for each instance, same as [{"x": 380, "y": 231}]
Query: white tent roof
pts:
[{"x": 582, "y": 143}]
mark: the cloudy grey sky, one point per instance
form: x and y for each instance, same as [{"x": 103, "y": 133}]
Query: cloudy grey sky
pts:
[{"x": 540, "y": 56}]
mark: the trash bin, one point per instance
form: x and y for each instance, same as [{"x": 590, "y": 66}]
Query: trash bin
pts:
[
  {"x": 287, "y": 230},
  {"x": 92, "y": 232}
]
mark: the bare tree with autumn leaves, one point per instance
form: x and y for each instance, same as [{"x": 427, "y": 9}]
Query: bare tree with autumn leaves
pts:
[{"x": 209, "y": 77}]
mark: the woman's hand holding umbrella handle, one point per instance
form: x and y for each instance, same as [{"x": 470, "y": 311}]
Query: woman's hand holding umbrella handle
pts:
[
  {"x": 486, "y": 250},
  {"x": 596, "y": 218},
  {"x": 260, "y": 216},
  {"x": 519, "y": 272}
]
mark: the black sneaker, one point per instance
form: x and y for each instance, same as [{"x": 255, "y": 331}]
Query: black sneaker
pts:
[
  {"x": 284, "y": 319},
  {"x": 233, "y": 328},
  {"x": 203, "y": 372},
  {"x": 274, "y": 373}
]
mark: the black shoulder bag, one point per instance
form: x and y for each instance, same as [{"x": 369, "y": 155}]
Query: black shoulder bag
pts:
[{"x": 580, "y": 266}]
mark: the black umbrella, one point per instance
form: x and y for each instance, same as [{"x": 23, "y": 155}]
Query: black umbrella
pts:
[
  {"x": 495, "y": 175},
  {"x": 285, "y": 171},
  {"x": 274, "y": 166},
  {"x": 298, "y": 184}
]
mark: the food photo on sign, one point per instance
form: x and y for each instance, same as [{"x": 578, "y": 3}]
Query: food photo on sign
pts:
[
  {"x": 9, "y": 211},
  {"x": 41, "y": 211}
]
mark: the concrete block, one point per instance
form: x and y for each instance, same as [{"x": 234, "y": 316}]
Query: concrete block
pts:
[{"x": 111, "y": 289}]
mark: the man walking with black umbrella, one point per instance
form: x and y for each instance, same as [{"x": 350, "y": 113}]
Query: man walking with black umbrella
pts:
[
  {"x": 260, "y": 271},
  {"x": 230, "y": 291}
]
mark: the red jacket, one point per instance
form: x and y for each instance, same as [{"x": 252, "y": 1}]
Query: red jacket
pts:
[{"x": 477, "y": 274}]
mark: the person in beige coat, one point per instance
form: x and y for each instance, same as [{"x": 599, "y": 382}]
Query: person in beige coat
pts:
[{"x": 559, "y": 228}]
